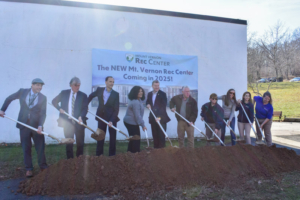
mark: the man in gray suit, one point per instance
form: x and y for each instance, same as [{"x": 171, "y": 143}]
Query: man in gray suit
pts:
[{"x": 33, "y": 113}]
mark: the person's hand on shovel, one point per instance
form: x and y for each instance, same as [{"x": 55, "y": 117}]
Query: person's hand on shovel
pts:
[
  {"x": 216, "y": 131},
  {"x": 144, "y": 128},
  {"x": 202, "y": 118},
  {"x": 40, "y": 129},
  {"x": 80, "y": 120},
  {"x": 61, "y": 111},
  {"x": 148, "y": 106},
  {"x": 2, "y": 113},
  {"x": 157, "y": 119},
  {"x": 173, "y": 109},
  {"x": 228, "y": 123},
  {"x": 110, "y": 124},
  {"x": 191, "y": 123}
]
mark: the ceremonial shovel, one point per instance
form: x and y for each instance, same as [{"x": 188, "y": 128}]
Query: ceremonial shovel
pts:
[
  {"x": 102, "y": 133},
  {"x": 192, "y": 125},
  {"x": 162, "y": 128},
  {"x": 232, "y": 131},
  {"x": 62, "y": 141},
  {"x": 147, "y": 140},
  {"x": 214, "y": 133},
  {"x": 95, "y": 135},
  {"x": 257, "y": 142},
  {"x": 262, "y": 133}
]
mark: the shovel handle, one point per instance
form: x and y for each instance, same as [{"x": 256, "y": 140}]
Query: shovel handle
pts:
[
  {"x": 124, "y": 134},
  {"x": 32, "y": 128},
  {"x": 147, "y": 137},
  {"x": 161, "y": 127},
  {"x": 230, "y": 128},
  {"x": 249, "y": 120},
  {"x": 191, "y": 124},
  {"x": 262, "y": 133},
  {"x": 214, "y": 133}
]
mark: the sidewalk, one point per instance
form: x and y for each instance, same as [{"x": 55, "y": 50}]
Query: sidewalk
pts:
[{"x": 285, "y": 133}]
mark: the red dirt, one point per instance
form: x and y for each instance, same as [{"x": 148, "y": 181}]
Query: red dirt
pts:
[{"x": 136, "y": 175}]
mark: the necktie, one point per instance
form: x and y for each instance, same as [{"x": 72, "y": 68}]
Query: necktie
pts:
[
  {"x": 31, "y": 100},
  {"x": 73, "y": 105}
]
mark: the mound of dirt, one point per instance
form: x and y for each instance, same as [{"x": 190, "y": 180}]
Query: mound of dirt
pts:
[{"x": 142, "y": 173}]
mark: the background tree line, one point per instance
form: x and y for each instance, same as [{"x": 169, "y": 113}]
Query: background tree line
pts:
[{"x": 275, "y": 54}]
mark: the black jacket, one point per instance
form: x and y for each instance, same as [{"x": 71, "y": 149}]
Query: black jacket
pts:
[
  {"x": 159, "y": 107},
  {"x": 191, "y": 107},
  {"x": 249, "y": 108},
  {"x": 37, "y": 113},
  {"x": 110, "y": 110},
  {"x": 218, "y": 114},
  {"x": 80, "y": 107}
]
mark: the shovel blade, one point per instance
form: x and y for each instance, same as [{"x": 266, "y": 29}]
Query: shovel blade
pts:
[
  {"x": 260, "y": 143},
  {"x": 212, "y": 140},
  {"x": 67, "y": 141},
  {"x": 100, "y": 135},
  {"x": 135, "y": 137}
]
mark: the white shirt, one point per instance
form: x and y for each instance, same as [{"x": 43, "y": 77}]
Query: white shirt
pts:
[
  {"x": 70, "y": 102},
  {"x": 154, "y": 97}
]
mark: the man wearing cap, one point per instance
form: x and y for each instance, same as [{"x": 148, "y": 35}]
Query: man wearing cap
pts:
[
  {"x": 33, "y": 113},
  {"x": 74, "y": 102}
]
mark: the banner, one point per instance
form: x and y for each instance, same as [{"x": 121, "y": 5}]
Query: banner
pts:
[{"x": 139, "y": 68}]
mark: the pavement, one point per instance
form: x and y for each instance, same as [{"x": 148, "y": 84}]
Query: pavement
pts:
[{"x": 284, "y": 135}]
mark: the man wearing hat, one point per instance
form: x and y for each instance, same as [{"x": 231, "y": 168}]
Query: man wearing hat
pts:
[{"x": 33, "y": 106}]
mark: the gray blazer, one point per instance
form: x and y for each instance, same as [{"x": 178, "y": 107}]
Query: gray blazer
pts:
[{"x": 135, "y": 112}]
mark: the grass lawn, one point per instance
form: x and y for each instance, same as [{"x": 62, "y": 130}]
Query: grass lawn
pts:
[{"x": 285, "y": 95}]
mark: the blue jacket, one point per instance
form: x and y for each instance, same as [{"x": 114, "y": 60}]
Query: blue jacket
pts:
[
  {"x": 218, "y": 114},
  {"x": 37, "y": 113}
]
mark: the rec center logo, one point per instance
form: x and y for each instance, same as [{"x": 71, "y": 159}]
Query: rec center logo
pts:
[{"x": 129, "y": 57}]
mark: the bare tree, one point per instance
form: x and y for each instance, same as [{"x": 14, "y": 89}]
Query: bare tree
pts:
[{"x": 270, "y": 44}]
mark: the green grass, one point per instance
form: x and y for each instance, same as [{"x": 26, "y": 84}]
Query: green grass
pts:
[{"x": 285, "y": 95}]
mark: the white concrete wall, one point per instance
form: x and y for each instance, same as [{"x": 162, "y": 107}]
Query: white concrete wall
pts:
[{"x": 55, "y": 44}]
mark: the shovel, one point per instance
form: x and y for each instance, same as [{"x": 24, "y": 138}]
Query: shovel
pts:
[
  {"x": 162, "y": 128},
  {"x": 135, "y": 137},
  {"x": 237, "y": 140},
  {"x": 95, "y": 135},
  {"x": 147, "y": 140},
  {"x": 257, "y": 142},
  {"x": 262, "y": 133},
  {"x": 191, "y": 124},
  {"x": 62, "y": 141},
  {"x": 214, "y": 133}
]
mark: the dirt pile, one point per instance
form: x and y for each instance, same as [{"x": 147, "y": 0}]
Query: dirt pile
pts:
[{"x": 142, "y": 173}]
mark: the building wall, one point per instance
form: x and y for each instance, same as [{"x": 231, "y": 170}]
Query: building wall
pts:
[{"x": 55, "y": 44}]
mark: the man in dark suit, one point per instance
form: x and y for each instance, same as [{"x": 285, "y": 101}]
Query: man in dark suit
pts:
[
  {"x": 157, "y": 101},
  {"x": 33, "y": 113},
  {"x": 108, "y": 109},
  {"x": 74, "y": 102}
]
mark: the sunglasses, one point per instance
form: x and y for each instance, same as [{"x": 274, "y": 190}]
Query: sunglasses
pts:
[
  {"x": 232, "y": 93},
  {"x": 214, "y": 99}
]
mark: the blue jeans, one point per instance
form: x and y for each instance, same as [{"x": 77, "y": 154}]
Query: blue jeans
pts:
[{"x": 223, "y": 129}]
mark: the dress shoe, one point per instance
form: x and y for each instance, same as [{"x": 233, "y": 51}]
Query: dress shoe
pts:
[{"x": 29, "y": 173}]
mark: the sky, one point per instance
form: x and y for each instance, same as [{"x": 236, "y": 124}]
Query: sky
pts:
[{"x": 260, "y": 15}]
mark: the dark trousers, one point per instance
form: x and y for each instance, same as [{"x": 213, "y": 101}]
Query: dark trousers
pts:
[
  {"x": 112, "y": 139},
  {"x": 133, "y": 145},
  {"x": 159, "y": 138},
  {"x": 70, "y": 130},
  {"x": 39, "y": 144},
  {"x": 223, "y": 128}
]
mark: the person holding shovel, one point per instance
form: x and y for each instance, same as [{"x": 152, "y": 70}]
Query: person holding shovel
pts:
[
  {"x": 108, "y": 109},
  {"x": 74, "y": 102},
  {"x": 186, "y": 106},
  {"x": 33, "y": 113},
  {"x": 213, "y": 114},
  {"x": 229, "y": 104},
  {"x": 133, "y": 118},
  {"x": 243, "y": 123},
  {"x": 157, "y": 102},
  {"x": 264, "y": 115}
]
